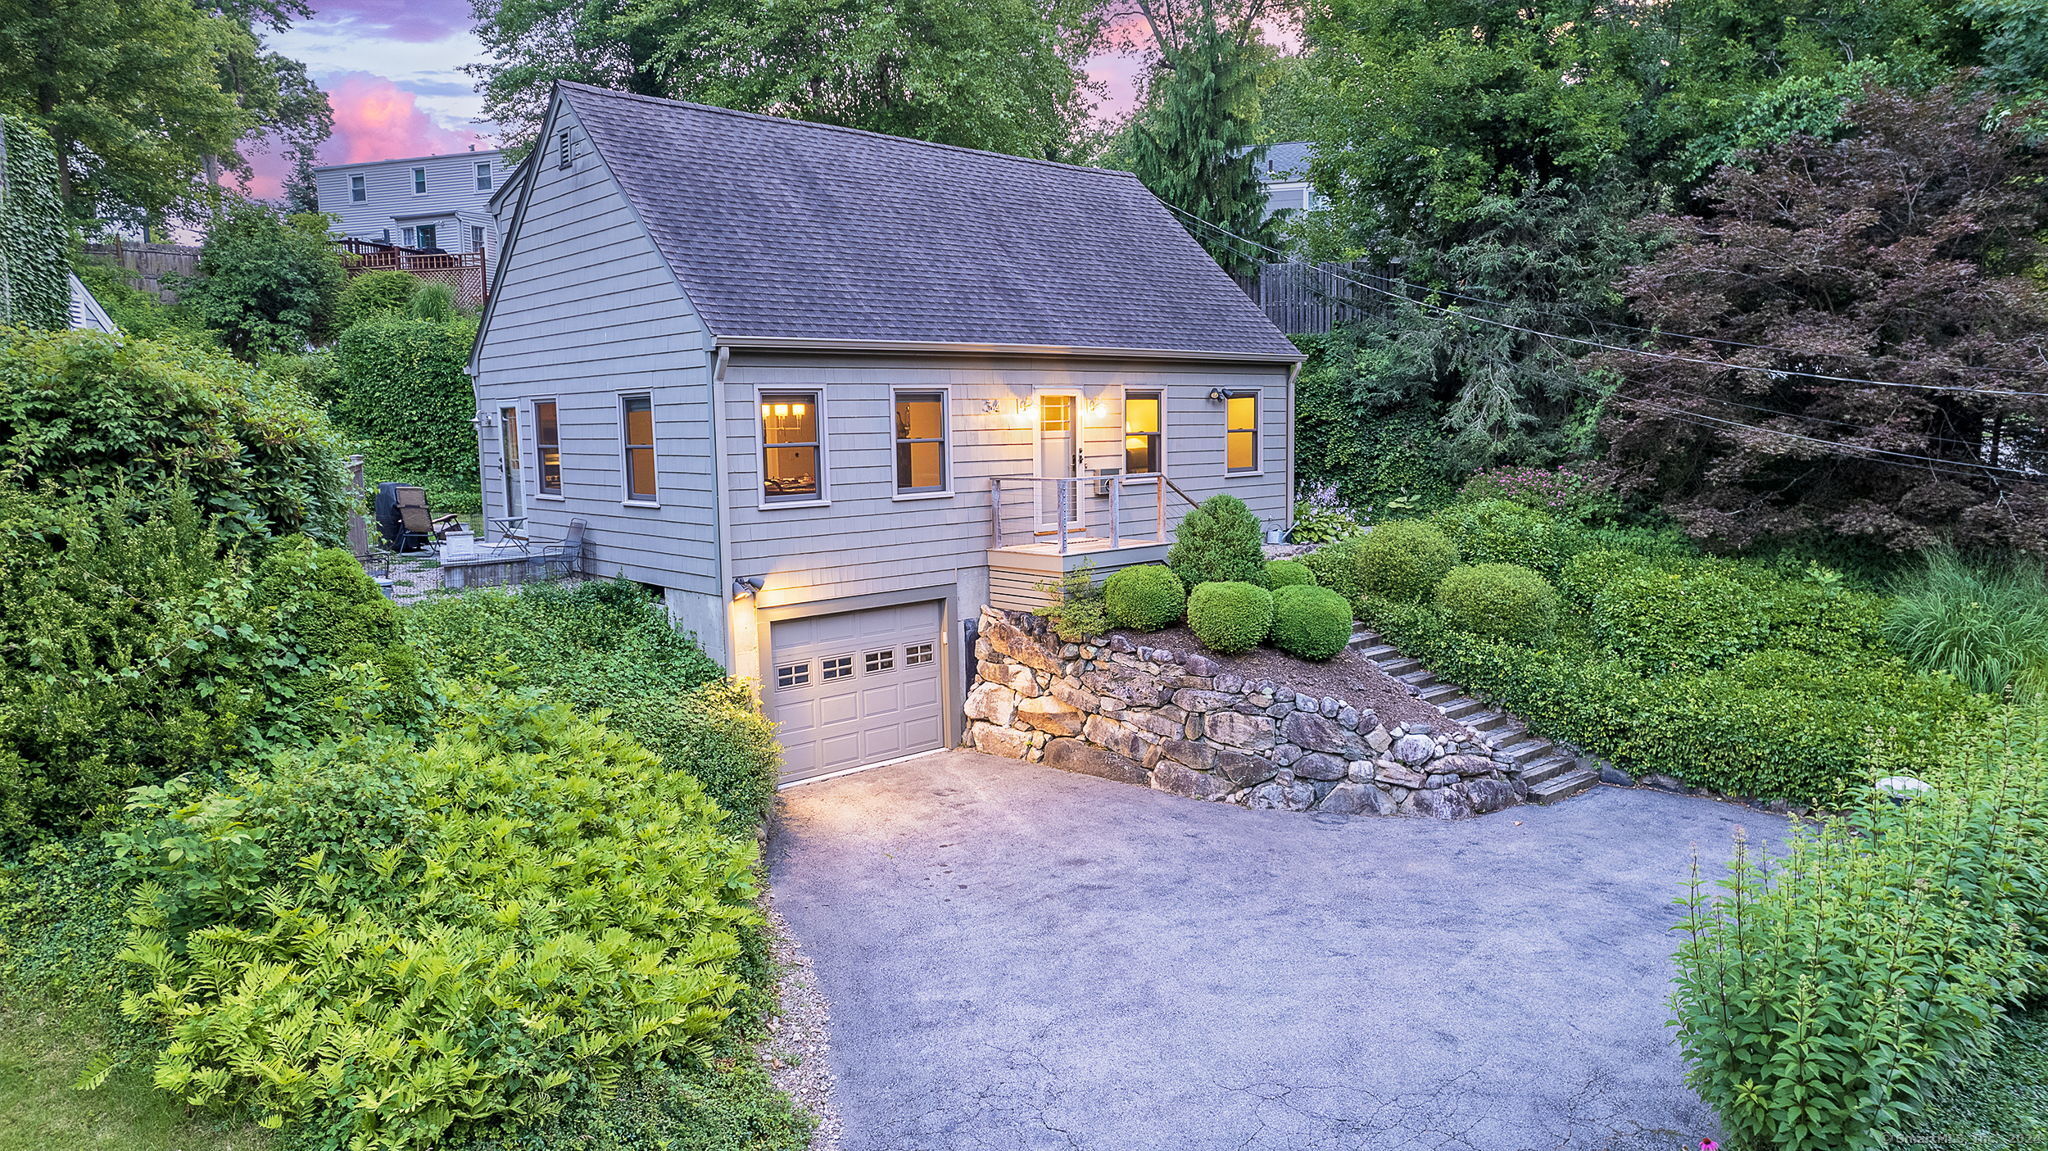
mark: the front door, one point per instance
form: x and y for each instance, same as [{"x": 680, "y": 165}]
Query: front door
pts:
[
  {"x": 1059, "y": 458},
  {"x": 508, "y": 454}
]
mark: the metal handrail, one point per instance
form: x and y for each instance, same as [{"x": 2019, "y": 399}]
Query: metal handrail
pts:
[{"x": 1068, "y": 512}]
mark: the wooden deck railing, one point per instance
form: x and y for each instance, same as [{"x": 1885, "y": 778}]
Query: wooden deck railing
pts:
[{"x": 463, "y": 272}]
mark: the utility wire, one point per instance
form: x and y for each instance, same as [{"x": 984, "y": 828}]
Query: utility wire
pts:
[{"x": 1602, "y": 345}]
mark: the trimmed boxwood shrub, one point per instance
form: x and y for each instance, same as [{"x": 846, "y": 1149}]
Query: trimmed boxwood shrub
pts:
[
  {"x": 1230, "y": 616},
  {"x": 1498, "y": 601},
  {"x": 1403, "y": 560},
  {"x": 1310, "y": 622},
  {"x": 1146, "y": 597},
  {"x": 1218, "y": 542},
  {"x": 1287, "y": 573},
  {"x": 1335, "y": 566},
  {"x": 1504, "y": 532}
]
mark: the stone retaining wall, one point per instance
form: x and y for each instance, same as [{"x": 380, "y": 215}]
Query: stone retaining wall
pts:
[{"x": 1179, "y": 723}]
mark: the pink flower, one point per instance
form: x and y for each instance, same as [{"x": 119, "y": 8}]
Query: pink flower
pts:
[{"x": 1709, "y": 1145}]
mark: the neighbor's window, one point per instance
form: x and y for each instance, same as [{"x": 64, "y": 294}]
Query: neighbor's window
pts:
[
  {"x": 429, "y": 235},
  {"x": 547, "y": 438},
  {"x": 920, "y": 442},
  {"x": 476, "y": 237},
  {"x": 355, "y": 189},
  {"x": 483, "y": 176},
  {"x": 406, "y": 235},
  {"x": 789, "y": 446},
  {"x": 1141, "y": 433},
  {"x": 639, "y": 429},
  {"x": 419, "y": 179},
  {"x": 1241, "y": 435}
]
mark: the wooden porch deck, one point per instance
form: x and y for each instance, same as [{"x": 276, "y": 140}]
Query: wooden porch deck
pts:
[{"x": 1019, "y": 574}]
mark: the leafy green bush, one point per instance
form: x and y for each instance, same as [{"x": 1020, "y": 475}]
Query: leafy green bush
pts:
[
  {"x": 267, "y": 282},
  {"x": 1320, "y": 517},
  {"x": 1230, "y": 616},
  {"x": 63, "y": 926},
  {"x": 405, "y": 394},
  {"x": 1573, "y": 492},
  {"x": 1220, "y": 541},
  {"x": 1310, "y": 622},
  {"x": 432, "y": 302},
  {"x": 1335, "y": 566},
  {"x": 1986, "y": 626},
  {"x": 1828, "y": 997},
  {"x": 1504, "y": 532},
  {"x": 1075, "y": 605},
  {"x": 139, "y": 314},
  {"x": 85, "y": 414},
  {"x": 731, "y": 1107},
  {"x": 486, "y": 928},
  {"x": 1498, "y": 601},
  {"x": 1586, "y": 574},
  {"x": 1287, "y": 573},
  {"x": 313, "y": 374},
  {"x": 1145, "y": 597},
  {"x": 1403, "y": 560},
  {"x": 381, "y": 295}
]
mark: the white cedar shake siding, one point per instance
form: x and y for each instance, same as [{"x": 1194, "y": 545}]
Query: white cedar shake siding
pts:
[{"x": 586, "y": 313}]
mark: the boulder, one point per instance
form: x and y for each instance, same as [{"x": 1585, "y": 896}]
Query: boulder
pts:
[
  {"x": 1357, "y": 799},
  {"x": 1007, "y": 742},
  {"x": 1196, "y": 700},
  {"x": 1179, "y": 779},
  {"x": 1400, "y": 775},
  {"x": 992, "y": 702},
  {"x": 1011, "y": 641},
  {"x": 1235, "y": 729},
  {"x": 1284, "y": 793},
  {"x": 1413, "y": 749},
  {"x": 1319, "y": 765},
  {"x": 1133, "y": 687},
  {"x": 1117, "y": 737},
  {"x": 1076, "y": 756},
  {"x": 1439, "y": 803},
  {"x": 1067, "y": 691},
  {"x": 1014, "y": 676},
  {"x": 1052, "y": 716},
  {"x": 1318, "y": 732},
  {"x": 1487, "y": 795},
  {"x": 1199, "y": 664},
  {"x": 1464, "y": 765}
]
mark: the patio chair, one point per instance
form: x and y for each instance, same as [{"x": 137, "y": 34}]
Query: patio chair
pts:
[
  {"x": 418, "y": 527},
  {"x": 567, "y": 551}
]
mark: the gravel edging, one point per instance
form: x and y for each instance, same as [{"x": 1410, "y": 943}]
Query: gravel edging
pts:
[{"x": 800, "y": 1034}]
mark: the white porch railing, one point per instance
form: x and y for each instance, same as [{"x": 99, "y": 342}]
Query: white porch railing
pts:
[{"x": 1078, "y": 513}]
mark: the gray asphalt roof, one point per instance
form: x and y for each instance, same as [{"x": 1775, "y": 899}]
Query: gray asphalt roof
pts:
[
  {"x": 1285, "y": 161},
  {"x": 785, "y": 228}
]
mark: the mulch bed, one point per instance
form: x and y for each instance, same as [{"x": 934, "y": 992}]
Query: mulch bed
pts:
[{"x": 1348, "y": 676}]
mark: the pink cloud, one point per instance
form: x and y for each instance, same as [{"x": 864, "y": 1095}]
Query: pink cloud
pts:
[
  {"x": 374, "y": 119},
  {"x": 1122, "y": 66}
]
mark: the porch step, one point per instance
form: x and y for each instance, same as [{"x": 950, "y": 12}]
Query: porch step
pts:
[{"x": 1563, "y": 786}]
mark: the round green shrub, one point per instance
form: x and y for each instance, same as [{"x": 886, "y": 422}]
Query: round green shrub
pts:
[
  {"x": 1310, "y": 622},
  {"x": 1403, "y": 560},
  {"x": 1145, "y": 598},
  {"x": 1503, "y": 532},
  {"x": 1230, "y": 615},
  {"x": 1218, "y": 542},
  {"x": 1287, "y": 573},
  {"x": 1335, "y": 565},
  {"x": 1498, "y": 601}
]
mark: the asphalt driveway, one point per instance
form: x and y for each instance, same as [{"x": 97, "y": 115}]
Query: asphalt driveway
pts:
[{"x": 1019, "y": 957}]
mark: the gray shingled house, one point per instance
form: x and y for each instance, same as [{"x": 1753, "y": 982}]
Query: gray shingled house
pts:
[{"x": 832, "y": 391}]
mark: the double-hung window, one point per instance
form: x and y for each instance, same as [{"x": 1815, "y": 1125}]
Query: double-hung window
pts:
[
  {"x": 419, "y": 180},
  {"x": 791, "y": 447},
  {"x": 547, "y": 443},
  {"x": 483, "y": 175},
  {"x": 1241, "y": 432},
  {"x": 638, "y": 436},
  {"x": 1142, "y": 434},
  {"x": 920, "y": 443},
  {"x": 476, "y": 237},
  {"x": 356, "y": 193}
]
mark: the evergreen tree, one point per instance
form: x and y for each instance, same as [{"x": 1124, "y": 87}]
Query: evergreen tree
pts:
[
  {"x": 300, "y": 194},
  {"x": 1194, "y": 144}
]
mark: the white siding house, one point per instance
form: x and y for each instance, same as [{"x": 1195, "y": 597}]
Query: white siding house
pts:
[
  {"x": 832, "y": 392},
  {"x": 417, "y": 202}
]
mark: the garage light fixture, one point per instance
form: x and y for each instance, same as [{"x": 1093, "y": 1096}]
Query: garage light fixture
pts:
[{"x": 744, "y": 587}]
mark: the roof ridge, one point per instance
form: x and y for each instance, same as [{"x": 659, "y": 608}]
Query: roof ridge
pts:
[{"x": 663, "y": 101}]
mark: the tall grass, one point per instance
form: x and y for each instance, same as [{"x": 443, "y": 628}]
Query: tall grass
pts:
[{"x": 1988, "y": 625}]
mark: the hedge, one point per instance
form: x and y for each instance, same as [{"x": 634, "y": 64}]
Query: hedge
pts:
[
  {"x": 1230, "y": 616},
  {"x": 1310, "y": 622},
  {"x": 1403, "y": 560},
  {"x": 1287, "y": 573},
  {"x": 405, "y": 393},
  {"x": 35, "y": 289},
  {"x": 1504, "y": 532},
  {"x": 1498, "y": 601},
  {"x": 1219, "y": 541}
]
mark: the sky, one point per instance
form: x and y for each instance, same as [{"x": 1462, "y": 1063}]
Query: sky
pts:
[{"x": 392, "y": 69}]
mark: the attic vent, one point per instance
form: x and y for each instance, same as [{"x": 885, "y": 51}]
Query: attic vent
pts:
[{"x": 567, "y": 148}]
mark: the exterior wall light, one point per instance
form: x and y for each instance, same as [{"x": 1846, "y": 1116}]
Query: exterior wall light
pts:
[{"x": 745, "y": 587}]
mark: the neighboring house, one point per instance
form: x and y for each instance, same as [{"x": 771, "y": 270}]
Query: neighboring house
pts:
[
  {"x": 1283, "y": 172},
  {"x": 831, "y": 392},
  {"x": 420, "y": 202},
  {"x": 86, "y": 312}
]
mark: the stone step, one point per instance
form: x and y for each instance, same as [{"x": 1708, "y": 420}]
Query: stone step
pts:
[
  {"x": 1459, "y": 707},
  {"x": 1488, "y": 722},
  {"x": 1375, "y": 652},
  {"x": 1563, "y": 786},
  {"x": 1423, "y": 678},
  {"x": 1528, "y": 751},
  {"x": 1547, "y": 768},
  {"x": 1440, "y": 694},
  {"x": 1400, "y": 666}
]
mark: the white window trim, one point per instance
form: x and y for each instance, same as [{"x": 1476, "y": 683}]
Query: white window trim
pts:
[
  {"x": 625, "y": 463},
  {"x": 824, "y": 499},
  {"x": 945, "y": 395},
  {"x": 358, "y": 190},
  {"x": 1123, "y": 423},
  {"x": 533, "y": 421},
  {"x": 418, "y": 178},
  {"x": 1258, "y": 396},
  {"x": 486, "y": 179}
]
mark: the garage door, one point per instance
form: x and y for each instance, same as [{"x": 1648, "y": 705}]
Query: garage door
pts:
[{"x": 856, "y": 688}]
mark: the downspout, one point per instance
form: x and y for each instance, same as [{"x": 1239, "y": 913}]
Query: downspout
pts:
[
  {"x": 1293, "y": 373},
  {"x": 717, "y": 358}
]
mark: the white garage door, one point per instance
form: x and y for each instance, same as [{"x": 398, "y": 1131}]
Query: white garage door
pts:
[{"x": 856, "y": 688}]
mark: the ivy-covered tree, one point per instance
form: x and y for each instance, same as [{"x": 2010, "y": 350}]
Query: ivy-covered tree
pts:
[
  {"x": 34, "y": 292},
  {"x": 267, "y": 282},
  {"x": 1900, "y": 253}
]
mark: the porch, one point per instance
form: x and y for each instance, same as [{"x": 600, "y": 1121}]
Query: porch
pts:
[{"x": 1043, "y": 527}]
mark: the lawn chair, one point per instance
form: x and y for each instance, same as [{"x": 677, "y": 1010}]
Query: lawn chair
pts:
[
  {"x": 418, "y": 527},
  {"x": 567, "y": 551}
]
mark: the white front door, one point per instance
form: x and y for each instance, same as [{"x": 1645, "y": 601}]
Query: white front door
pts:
[
  {"x": 1059, "y": 458},
  {"x": 508, "y": 456}
]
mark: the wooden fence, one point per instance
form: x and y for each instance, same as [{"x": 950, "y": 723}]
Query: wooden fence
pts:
[
  {"x": 463, "y": 272},
  {"x": 1312, "y": 298},
  {"x": 146, "y": 265}
]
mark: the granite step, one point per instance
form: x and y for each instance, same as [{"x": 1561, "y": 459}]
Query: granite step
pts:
[
  {"x": 1441, "y": 694},
  {"x": 1401, "y": 666},
  {"x": 1528, "y": 751},
  {"x": 1375, "y": 652},
  {"x": 1459, "y": 708},
  {"x": 1563, "y": 786},
  {"x": 1548, "y": 768},
  {"x": 1423, "y": 678}
]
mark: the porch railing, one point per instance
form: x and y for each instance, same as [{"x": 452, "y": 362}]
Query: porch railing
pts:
[{"x": 1075, "y": 512}]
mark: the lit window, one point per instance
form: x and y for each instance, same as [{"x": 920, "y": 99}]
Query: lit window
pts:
[
  {"x": 547, "y": 437},
  {"x": 639, "y": 435},
  {"x": 1241, "y": 437},
  {"x": 483, "y": 176},
  {"x": 419, "y": 180},
  {"x": 789, "y": 446},
  {"x": 875, "y": 661},
  {"x": 920, "y": 442},
  {"x": 917, "y": 653},
  {"x": 793, "y": 674},
  {"x": 838, "y": 667},
  {"x": 1141, "y": 434},
  {"x": 355, "y": 189}
]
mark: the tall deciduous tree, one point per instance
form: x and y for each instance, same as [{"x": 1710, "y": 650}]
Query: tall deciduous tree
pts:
[
  {"x": 1005, "y": 75},
  {"x": 267, "y": 282},
  {"x": 1897, "y": 253}
]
